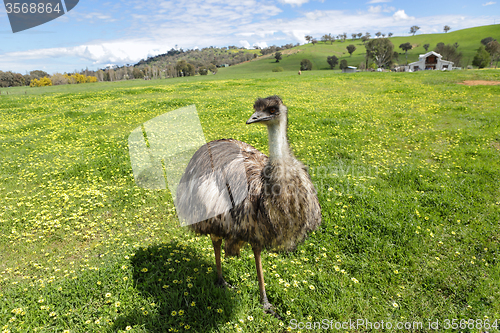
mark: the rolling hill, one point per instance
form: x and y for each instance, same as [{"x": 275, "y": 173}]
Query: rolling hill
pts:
[{"x": 468, "y": 39}]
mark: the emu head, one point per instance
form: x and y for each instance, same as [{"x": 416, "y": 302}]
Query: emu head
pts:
[{"x": 268, "y": 110}]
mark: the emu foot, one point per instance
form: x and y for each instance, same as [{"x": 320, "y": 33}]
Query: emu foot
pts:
[
  {"x": 269, "y": 309},
  {"x": 221, "y": 283}
]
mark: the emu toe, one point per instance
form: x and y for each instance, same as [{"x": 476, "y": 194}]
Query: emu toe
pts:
[
  {"x": 269, "y": 309},
  {"x": 221, "y": 283}
]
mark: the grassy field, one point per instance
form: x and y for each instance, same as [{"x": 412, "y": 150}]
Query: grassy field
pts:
[
  {"x": 469, "y": 41},
  {"x": 406, "y": 167}
]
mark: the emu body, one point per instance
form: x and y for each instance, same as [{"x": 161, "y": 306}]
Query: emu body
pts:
[{"x": 268, "y": 202}]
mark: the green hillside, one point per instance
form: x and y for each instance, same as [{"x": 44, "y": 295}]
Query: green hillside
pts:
[{"x": 468, "y": 39}]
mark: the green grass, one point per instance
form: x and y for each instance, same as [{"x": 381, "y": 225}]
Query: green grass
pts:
[
  {"x": 406, "y": 166},
  {"x": 469, "y": 41}
]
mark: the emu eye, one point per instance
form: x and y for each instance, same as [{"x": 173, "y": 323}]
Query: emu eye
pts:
[{"x": 272, "y": 110}]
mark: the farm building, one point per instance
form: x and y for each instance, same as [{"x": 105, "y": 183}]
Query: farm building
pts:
[
  {"x": 349, "y": 69},
  {"x": 430, "y": 60}
]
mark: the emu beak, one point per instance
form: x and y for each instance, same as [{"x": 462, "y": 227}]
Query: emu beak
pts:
[{"x": 258, "y": 116}]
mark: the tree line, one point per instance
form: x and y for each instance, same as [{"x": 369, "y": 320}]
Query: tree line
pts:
[
  {"x": 39, "y": 78},
  {"x": 12, "y": 79},
  {"x": 174, "y": 63}
]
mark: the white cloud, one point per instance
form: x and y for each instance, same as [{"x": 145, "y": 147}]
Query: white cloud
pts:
[
  {"x": 294, "y": 2},
  {"x": 245, "y": 44},
  {"x": 299, "y": 36},
  {"x": 116, "y": 52},
  {"x": 380, "y": 9},
  {"x": 315, "y": 15},
  {"x": 375, "y": 9},
  {"x": 95, "y": 15},
  {"x": 378, "y": 1},
  {"x": 489, "y": 3},
  {"x": 401, "y": 15},
  {"x": 262, "y": 45}
]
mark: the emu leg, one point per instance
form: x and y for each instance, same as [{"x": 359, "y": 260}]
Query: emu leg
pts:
[
  {"x": 268, "y": 307},
  {"x": 217, "y": 242}
]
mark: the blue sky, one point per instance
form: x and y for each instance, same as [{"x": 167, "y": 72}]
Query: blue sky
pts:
[{"x": 97, "y": 33}]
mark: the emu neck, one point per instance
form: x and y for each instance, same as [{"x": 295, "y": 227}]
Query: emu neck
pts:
[{"x": 278, "y": 142}]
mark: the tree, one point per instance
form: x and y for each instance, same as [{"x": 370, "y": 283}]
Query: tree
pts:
[
  {"x": 380, "y": 50},
  {"x": 426, "y": 47},
  {"x": 305, "y": 65},
  {"x": 203, "y": 70},
  {"x": 395, "y": 56},
  {"x": 212, "y": 68},
  {"x": 58, "y": 79},
  {"x": 6, "y": 79},
  {"x": 325, "y": 38},
  {"x": 378, "y": 34},
  {"x": 309, "y": 38},
  {"x": 493, "y": 48},
  {"x": 406, "y": 47},
  {"x": 414, "y": 29},
  {"x": 191, "y": 70},
  {"x": 277, "y": 56},
  {"x": 331, "y": 38},
  {"x": 360, "y": 34},
  {"x": 484, "y": 41},
  {"x": 18, "y": 80},
  {"x": 38, "y": 74},
  {"x": 353, "y": 36},
  {"x": 137, "y": 73},
  {"x": 446, "y": 28},
  {"x": 332, "y": 61},
  {"x": 182, "y": 68},
  {"x": 27, "y": 79},
  {"x": 364, "y": 39},
  {"x": 314, "y": 41},
  {"x": 390, "y": 34},
  {"x": 368, "y": 35},
  {"x": 343, "y": 64},
  {"x": 351, "y": 48},
  {"x": 482, "y": 58},
  {"x": 449, "y": 52}
]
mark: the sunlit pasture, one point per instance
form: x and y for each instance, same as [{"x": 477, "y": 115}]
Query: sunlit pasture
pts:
[{"x": 407, "y": 171}]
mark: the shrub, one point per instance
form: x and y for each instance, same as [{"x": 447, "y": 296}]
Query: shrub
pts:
[
  {"x": 482, "y": 58},
  {"x": 58, "y": 79},
  {"x": 44, "y": 81},
  {"x": 203, "y": 70},
  {"x": 306, "y": 65}
]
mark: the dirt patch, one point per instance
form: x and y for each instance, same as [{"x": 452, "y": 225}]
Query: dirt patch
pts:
[
  {"x": 291, "y": 51},
  {"x": 496, "y": 145},
  {"x": 480, "y": 82}
]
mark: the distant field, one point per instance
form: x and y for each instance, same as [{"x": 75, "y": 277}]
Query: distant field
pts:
[
  {"x": 406, "y": 166},
  {"x": 469, "y": 41}
]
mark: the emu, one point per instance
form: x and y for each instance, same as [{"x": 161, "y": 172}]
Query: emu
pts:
[{"x": 232, "y": 191}]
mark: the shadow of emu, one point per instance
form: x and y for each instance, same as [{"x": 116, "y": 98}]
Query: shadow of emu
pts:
[{"x": 180, "y": 283}]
